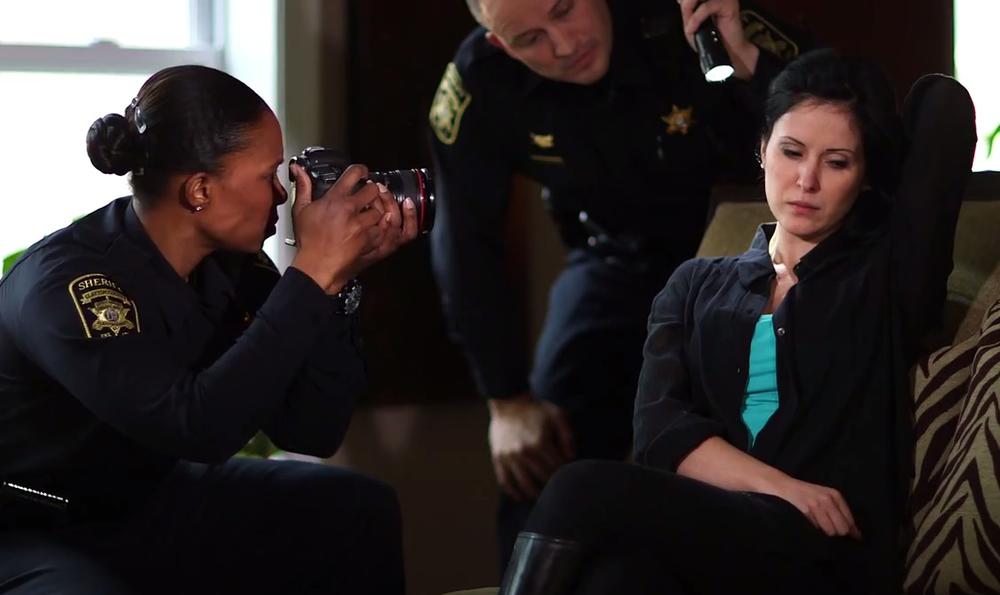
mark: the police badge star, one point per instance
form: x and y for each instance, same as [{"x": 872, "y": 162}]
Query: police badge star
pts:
[
  {"x": 679, "y": 121},
  {"x": 104, "y": 309}
]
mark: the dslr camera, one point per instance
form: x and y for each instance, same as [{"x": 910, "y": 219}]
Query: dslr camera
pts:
[{"x": 325, "y": 166}]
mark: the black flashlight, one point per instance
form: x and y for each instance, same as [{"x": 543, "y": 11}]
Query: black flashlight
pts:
[{"x": 712, "y": 55}]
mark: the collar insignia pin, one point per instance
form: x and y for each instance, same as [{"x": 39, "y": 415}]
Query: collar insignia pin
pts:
[{"x": 543, "y": 141}]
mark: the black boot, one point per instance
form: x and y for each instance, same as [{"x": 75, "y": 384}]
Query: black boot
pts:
[{"x": 542, "y": 565}]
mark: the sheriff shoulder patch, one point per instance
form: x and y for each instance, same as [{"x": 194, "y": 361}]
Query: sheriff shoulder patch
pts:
[
  {"x": 450, "y": 102},
  {"x": 766, "y": 36},
  {"x": 104, "y": 309}
]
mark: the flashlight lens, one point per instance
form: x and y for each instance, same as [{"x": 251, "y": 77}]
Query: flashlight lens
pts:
[{"x": 719, "y": 73}]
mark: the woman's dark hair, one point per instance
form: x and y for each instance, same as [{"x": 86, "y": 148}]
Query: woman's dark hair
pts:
[
  {"x": 862, "y": 88},
  {"x": 184, "y": 119}
]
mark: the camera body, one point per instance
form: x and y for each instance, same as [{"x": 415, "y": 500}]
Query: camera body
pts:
[{"x": 325, "y": 166}]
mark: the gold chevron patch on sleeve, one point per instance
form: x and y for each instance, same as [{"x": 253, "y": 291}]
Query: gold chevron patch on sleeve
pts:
[
  {"x": 766, "y": 36},
  {"x": 450, "y": 102}
]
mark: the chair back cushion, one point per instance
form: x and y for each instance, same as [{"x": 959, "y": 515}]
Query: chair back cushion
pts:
[{"x": 956, "y": 492}]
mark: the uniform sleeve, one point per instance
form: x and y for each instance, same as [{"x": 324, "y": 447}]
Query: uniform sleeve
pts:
[
  {"x": 141, "y": 386},
  {"x": 314, "y": 416},
  {"x": 667, "y": 422},
  {"x": 939, "y": 123},
  {"x": 473, "y": 182}
]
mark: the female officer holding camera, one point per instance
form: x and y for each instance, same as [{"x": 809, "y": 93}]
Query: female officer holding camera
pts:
[{"x": 143, "y": 345}]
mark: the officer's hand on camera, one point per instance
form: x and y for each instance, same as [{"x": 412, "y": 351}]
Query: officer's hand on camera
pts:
[
  {"x": 342, "y": 233},
  {"x": 400, "y": 223},
  {"x": 727, "y": 21},
  {"x": 529, "y": 439}
]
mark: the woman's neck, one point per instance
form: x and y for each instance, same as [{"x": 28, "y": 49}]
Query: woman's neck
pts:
[
  {"x": 178, "y": 241},
  {"x": 788, "y": 249}
]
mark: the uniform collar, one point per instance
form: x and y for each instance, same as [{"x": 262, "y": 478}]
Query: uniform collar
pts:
[
  {"x": 136, "y": 233},
  {"x": 211, "y": 278},
  {"x": 147, "y": 251}
]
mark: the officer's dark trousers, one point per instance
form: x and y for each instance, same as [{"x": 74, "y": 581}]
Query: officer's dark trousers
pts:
[
  {"x": 587, "y": 361},
  {"x": 651, "y": 531},
  {"x": 246, "y": 526}
]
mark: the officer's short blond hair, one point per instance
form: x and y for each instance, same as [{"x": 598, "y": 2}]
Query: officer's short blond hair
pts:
[{"x": 476, "y": 9}]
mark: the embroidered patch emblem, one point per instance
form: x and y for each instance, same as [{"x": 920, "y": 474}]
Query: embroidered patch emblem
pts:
[
  {"x": 450, "y": 102},
  {"x": 104, "y": 309},
  {"x": 679, "y": 121},
  {"x": 764, "y": 35},
  {"x": 543, "y": 141}
]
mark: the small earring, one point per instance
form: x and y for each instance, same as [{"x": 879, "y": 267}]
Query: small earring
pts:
[{"x": 198, "y": 209}]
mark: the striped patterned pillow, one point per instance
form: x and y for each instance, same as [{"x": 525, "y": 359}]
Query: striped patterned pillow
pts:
[{"x": 956, "y": 492}]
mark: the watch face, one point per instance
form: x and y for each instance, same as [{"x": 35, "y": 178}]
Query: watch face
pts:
[{"x": 350, "y": 297}]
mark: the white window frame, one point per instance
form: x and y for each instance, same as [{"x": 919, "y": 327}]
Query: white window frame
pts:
[
  {"x": 244, "y": 38},
  {"x": 101, "y": 57}
]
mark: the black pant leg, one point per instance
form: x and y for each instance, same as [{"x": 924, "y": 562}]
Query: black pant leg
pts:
[
  {"x": 256, "y": 526},
  {"x": 635, "y": 572},
  {"x": 587, "y": 361},
  {"x": 708, "y": 540},
  {"x": 45, "y": 562},
  {"x": 245, "y": 526}
]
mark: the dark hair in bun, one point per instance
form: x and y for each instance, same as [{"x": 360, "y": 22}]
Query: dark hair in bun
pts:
[
  {"x": 112, "y": 147},
  {"x": 185, "y": 119}
]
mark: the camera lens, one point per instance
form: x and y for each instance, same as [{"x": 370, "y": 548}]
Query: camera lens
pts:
[
  {"x": 415, "y": 184},
  {"x": 325, "y": 166}
]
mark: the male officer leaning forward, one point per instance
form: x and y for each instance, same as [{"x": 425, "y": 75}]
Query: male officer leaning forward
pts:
[{"x": 604, "y": 104}]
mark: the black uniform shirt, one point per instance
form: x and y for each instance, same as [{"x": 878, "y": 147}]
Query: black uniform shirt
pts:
[
  {"x": 636, "y": 152},
  {"x": 112, "y": 366},
  {"x": 847, "y": 334}
]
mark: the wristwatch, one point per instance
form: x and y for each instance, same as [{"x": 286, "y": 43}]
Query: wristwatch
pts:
[{"x": 348, "y": 298}]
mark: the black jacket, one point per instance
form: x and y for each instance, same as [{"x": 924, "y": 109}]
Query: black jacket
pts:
[
  {"x": 637, "y": 151},
  {"x": 847, "y": 334},
  {"x": 112, "y": 367}
]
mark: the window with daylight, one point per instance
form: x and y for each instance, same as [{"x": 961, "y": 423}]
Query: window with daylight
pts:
[
  {"x": 60, "y": 72},
  {"x": 975, "y": 66}
]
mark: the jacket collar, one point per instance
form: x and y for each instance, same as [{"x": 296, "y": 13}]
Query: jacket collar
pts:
[{"x": 755, "y": 263}]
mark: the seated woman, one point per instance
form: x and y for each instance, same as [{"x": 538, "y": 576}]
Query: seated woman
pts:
[
  {"x": 772, "y": 425},
  {"x": 142, "y": 346}
]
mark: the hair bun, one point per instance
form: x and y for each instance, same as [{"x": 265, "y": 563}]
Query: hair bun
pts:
[{"x": 112, "y": 145}]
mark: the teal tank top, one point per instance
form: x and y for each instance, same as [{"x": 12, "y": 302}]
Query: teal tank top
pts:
[{"x": 761, "y": 398}]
